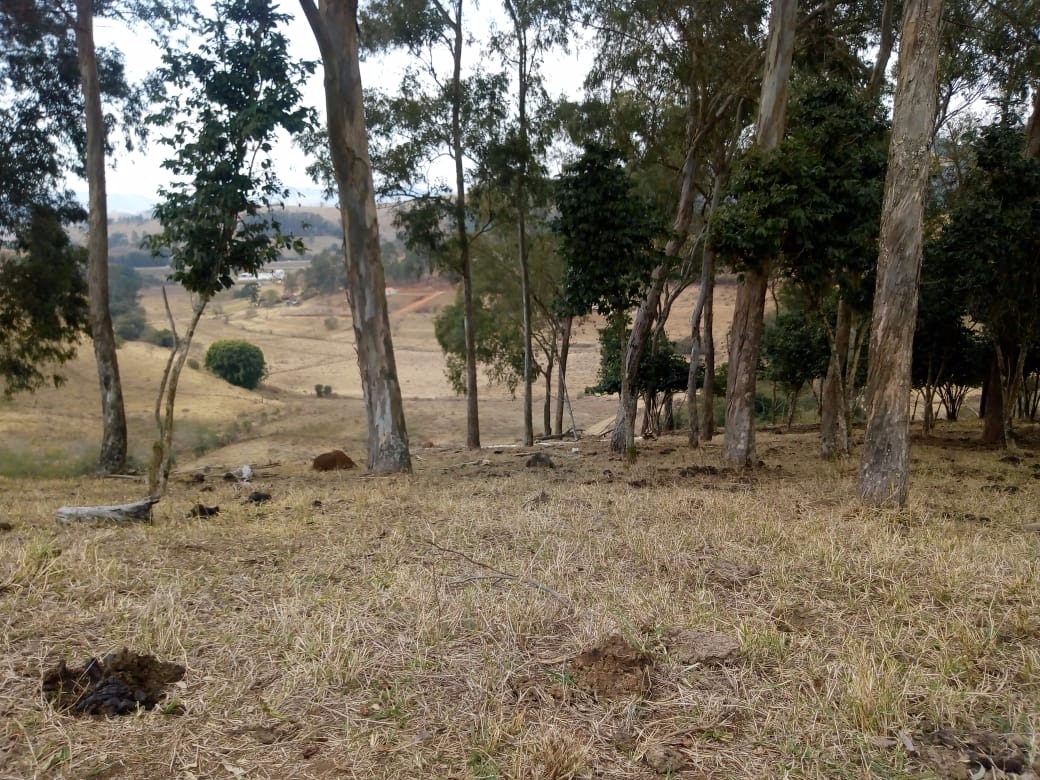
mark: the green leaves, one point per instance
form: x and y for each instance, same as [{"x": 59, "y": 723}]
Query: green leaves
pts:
[
  {"x": 607, "y": 234},
  {"x": 227, "y": 100},
  {"x": 814, "y": 202},
  {"x": 43, "y": 303}
]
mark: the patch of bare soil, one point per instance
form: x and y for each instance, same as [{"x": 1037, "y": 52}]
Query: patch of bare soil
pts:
[
  {"x": 117, "y": 684},
  {"x": 612, "y": 669}
]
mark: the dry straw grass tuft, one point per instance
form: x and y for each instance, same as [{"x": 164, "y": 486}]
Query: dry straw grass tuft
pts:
[{"x": 428, "y": 626}]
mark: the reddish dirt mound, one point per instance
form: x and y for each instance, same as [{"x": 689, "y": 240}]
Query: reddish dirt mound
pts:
[{"x": 336, "y": 460}]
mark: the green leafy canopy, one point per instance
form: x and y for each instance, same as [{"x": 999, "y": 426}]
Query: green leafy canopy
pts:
[{"x": 227, "y": 98}]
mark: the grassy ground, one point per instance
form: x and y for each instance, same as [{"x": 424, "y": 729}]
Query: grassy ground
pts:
[{"x": 428, "y": 626}]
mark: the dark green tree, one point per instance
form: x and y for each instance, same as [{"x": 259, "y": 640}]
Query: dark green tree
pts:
[
  {"x": 55, "y": 79},
  {"x": 608, "y": 238},
  {"x": 237, "y": 362},
  {"x": 228, "y": 97},
  {"x": 993, "y": 232},
  {"x": 795, "y": 352},
  {"x": 811, "y": 207},
  {"x": 43, "y": 303}
]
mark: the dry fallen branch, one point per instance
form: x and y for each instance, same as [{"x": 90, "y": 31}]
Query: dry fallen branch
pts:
[
  {"x": 134, "y": 512},
  {"x": 500, "y": 576}
]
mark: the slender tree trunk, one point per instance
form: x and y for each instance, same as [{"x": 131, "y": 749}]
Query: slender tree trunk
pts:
[
  {"x": 561, "y": 385},
  {"x": 523, "y": 84},
  {"x": 162, "y": 450},
  {"x": 704, "y": 295},
  {"x": 877, "y": 75},
  {"x": 992, "y": 410},
  {"x": 112, "y": 458},
  {"x": 708, "y": 420},
  {"x": 885, "y": 467},
  {"x": 547, "y": 406},
  {"x": 746, "y": 338},
  {"x": 334, "y": 24},
  {"x": 624, "y": 440},
  {"x": 525, "y": 294},
  {"x": 834, "y": 431}
]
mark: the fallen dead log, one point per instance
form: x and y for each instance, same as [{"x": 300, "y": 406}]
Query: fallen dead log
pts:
[{"x": 135, "y": 512}]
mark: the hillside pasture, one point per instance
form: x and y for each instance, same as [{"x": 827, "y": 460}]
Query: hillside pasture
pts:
[{"x": 483, "y": 619}]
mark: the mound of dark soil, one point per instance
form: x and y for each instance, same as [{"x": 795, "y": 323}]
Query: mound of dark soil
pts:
[
  {"x": 117, "y": 684},
  {"x": 612, "y": 669}
]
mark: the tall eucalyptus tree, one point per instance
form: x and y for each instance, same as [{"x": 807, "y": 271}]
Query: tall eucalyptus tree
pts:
[
  {"x": 535, "y": 28},
  {"x": 885, "y": 465},
  {"x": 444, "y": 107},
  {"x": 65, "y": 30},
  {"x": 746, "y": 333},
  {"x": 335, "y": 27},
  {"x": 692, "y": 67}
]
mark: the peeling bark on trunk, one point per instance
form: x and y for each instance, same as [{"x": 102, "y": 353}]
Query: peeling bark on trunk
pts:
[
  {"x": 624, "y": 440},
  {"x": 834, "y": 429},
  {"x": 739, "y": 446},
  {"x": 334, "y": 24},
  {"x": 745, "y": 339},
  {"x": 112, "y": 459},
  {"x": 561, "y": 385},
  {"x": 885, "y": 467},
  {"x": 708, "y": 420}
]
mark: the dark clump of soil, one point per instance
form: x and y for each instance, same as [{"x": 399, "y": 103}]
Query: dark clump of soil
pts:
[
  {"x": 611, "y": 669},
  {"x": 117, "y": 684},
  {"x": 946, "y": 749},
  {"x": 5, "y": 526}
]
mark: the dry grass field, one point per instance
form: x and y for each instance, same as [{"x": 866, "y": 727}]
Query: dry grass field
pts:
[{"x": 482, "y": 619}]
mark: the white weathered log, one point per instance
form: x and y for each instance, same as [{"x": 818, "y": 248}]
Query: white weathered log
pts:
[{"x": 135, "y": 512}]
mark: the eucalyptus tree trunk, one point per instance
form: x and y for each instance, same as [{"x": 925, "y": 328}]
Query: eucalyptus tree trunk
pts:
[
  {"x": 334, "y": 24},
  {"x": 746, "y": 333},
  {"x": 703, "y": 306},
  {"x": 521, "y": 213},
  {"x": 708, "y": 419},
  {"x": 624, "y": 436},
  {"x": 465, "y": 250},
  {"x": 885, "y": 467},
  {"x": 834, "y": 427},
  {"x": 113, "y": 441},
  {"x": 561, "y": 385}
]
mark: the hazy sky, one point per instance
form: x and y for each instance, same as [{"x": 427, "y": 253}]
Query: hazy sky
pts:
[{"x": 132, "y": 178}]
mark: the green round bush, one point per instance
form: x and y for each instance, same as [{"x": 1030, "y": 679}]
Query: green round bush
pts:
[{"x": 237, "y": 362}]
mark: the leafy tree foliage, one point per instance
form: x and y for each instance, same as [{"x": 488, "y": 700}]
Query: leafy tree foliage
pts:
[
  {"x": 228, "y": 96},
  {"x": 43, "y": 305},
  {"x": 326, "y": 272},
  {"x": 607, "y": 233},
  {"x": 237, "y": 362},
  {"x": 794, "y": 349},
  {"x": 993, "y": 234},
  {"x": 227, "y": 99},
  {"x": 814, "y": 202}
]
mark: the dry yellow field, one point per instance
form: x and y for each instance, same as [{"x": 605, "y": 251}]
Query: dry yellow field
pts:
[{"x": 482, "y": 619}]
